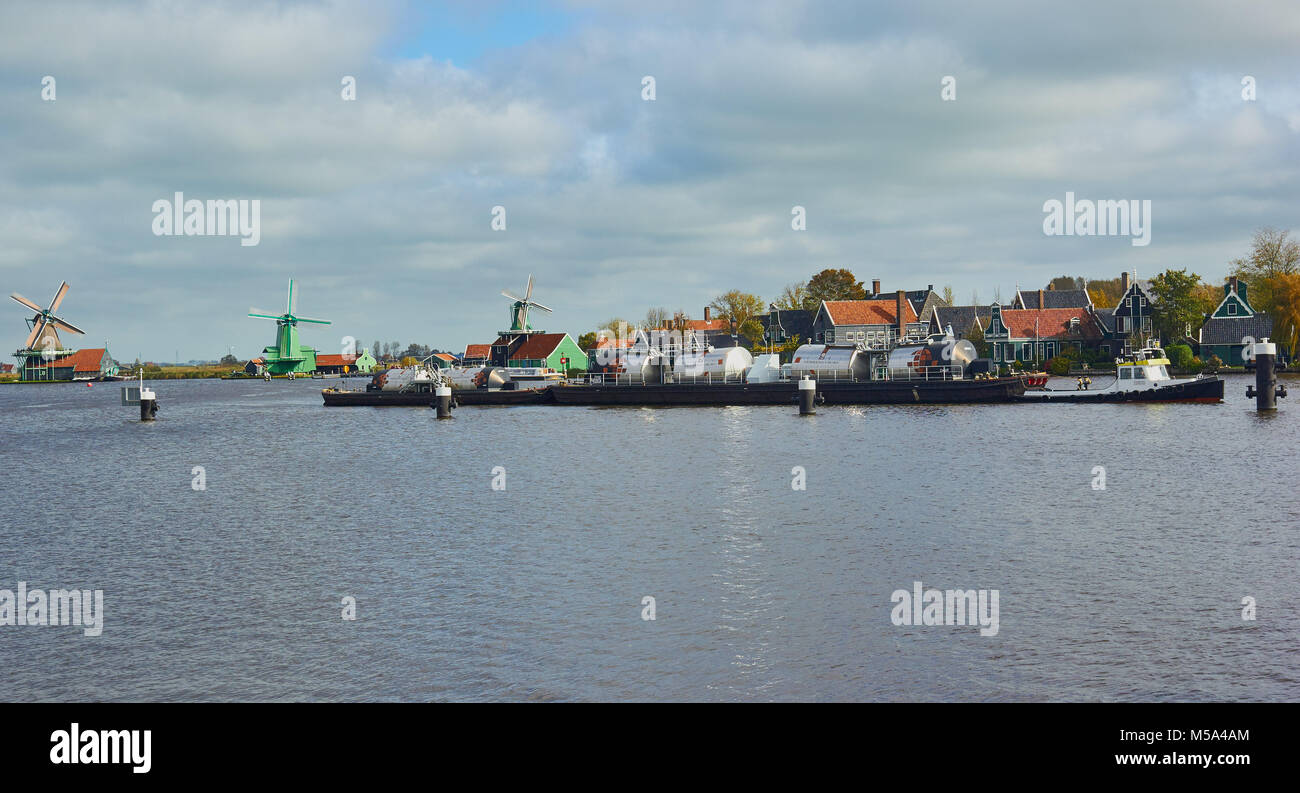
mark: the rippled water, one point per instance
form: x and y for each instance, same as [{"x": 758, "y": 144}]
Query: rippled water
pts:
[{"x": 534, "y": 593}]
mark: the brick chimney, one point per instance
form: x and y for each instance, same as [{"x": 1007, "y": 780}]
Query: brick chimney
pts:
[
  {"x": 901, "y": 301},
  {"x": 875, "y": 286},
  {"x": 1123, "y": 281},
  {"x": 706, "y": 313},
  {"x": 1041, "y": 305},
  {"x": 1232, "y": 281}
]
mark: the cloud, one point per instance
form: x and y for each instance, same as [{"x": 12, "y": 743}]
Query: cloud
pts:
[{"x": 381, "y": 207}]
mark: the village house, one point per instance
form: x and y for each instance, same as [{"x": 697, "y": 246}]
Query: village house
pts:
[
  {"x": 88, "y": 364},
  {"x": 1051, "y": 297},
  {"x": 344, "y": 364},
  {"x": 1038, "y": 335},
  {"x": 875, "y": 322},
  {"x": 1233, "y": 321}
]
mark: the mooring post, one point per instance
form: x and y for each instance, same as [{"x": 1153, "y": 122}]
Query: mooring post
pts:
[
  {"x": 148, "y": 403},
  {"x": 443, "y": 401},
  {"x": 1266, "y": 390},
  {"x": 807, "y": 396}
]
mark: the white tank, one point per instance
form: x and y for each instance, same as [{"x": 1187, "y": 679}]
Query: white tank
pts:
[
  {"x": 728, "y": 363},
  {"x": 642, "y": 366},
  {"x": 930, "y": 359},
  {"x": 476, "y": 377},
  {"x": 397, "y": 379},
  {"x": 766, "y": 369},
  {"x": 829, "y": 362}
]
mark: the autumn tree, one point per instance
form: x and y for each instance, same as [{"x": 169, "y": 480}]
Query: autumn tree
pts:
[
  {"x": 740, "y": 310},
  {"x": 1273, "y": 253},
  {"x": 835, "y": 285},
  {"x": 1286, "y": 311},
  {"x": 795, "y": 297},
  {"x": 1105, "y": 292},
  {"x": 655, "y": 318},
  {"x": 948, "y": 295}
]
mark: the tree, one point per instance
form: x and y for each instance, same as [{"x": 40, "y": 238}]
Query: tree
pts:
[
  {"x": 1106, "y": 292},
  {"x": 1065, "y": 282},
  {"x": 976, "y": 336},
  {"x": 835, "y": 285},
  {"x": 655, "y": 318},
  {"x": 974, "y": 297},
  {"x": 229, "y": 360},
  {"x": 1175, "y": 295},
  {"x": 795, "y": 298},
  {"x": 587, "y": 341},
  {"x": 947, "y": 295},
  {"x": 1272, "y": 254},
  {"x": 1286, "y": 309},
  {"x": 740, "y": 310}
]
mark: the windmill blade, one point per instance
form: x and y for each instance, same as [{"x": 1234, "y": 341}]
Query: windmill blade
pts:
[
  {"x": 27, "y": 303},
  {"x": 59, "y": 323},
  {"x": 539, "y": 305},
  {"x": 529, "y": 294},
  {"x": 313, "y": 321},
  {"x": 504, "y": 293},
  {"x": 259, "y": 314},
  {"x": 36, "y": 331},
  {"x": 293, "y": 299},
  {"x": 58, "y": 297}
]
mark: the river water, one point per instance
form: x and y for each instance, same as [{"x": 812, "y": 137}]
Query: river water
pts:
[{"x": 535, "y": 591}]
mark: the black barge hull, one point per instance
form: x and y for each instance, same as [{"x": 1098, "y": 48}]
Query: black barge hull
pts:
[{"x": 934, "y": 392}]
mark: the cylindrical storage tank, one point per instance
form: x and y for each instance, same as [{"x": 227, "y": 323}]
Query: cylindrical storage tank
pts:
[
  {"x": 642, "y": 367},
  {"x": 722, "y": 363},
  {"x": 829, "y": 362},
  {"x": 766, "y": 369},
  {"x": 915, "y": 359},
  {"x": 477, "y": 377}
]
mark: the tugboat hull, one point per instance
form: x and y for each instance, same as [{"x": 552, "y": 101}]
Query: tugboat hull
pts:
[{"x": 1207, "y": 389}]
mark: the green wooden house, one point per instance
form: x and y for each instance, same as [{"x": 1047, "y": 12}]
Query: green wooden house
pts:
[
  {"x": 555, "y": 350},
  {"x": 1227, "y": 329}
]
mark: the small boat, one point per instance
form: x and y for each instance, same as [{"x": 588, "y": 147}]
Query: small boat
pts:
[{"x": 1140, "y": 376}]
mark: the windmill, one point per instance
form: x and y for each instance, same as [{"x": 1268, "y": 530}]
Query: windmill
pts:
[
  {"x": 288, "y": 356},
  {"x": 519, "y": 311},
  {"x": 43, "y": 340}
]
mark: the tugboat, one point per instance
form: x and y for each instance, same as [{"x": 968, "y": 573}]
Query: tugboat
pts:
[{"x": 1140, "y": 376}]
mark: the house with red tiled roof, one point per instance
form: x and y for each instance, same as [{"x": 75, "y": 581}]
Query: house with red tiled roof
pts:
[
  {"x": 1038, "y": 335},
  {"x": 344, "y": 364},
  {"x": 877, "y": 322},
  {"x": 88, "y": 364},
  {"x": 557, "y": 351},
  {"x": 476, "y": 355}
]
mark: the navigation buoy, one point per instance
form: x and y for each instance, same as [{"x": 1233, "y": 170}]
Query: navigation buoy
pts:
[
  {"x": 1266, "y": 389},
  {"x": 807, "y": 396},
  {"x": 90, "y": 385},
  {"x": 442, "y": 401}
]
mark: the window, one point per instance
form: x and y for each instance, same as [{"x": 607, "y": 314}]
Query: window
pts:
[
  {"x": 997, "y": 352},
  {"x": 1026, "y": 352},
  {"x": 1232, "y": 308},
  {"x": 1128, "y": 301},
  {"x": 1119, "y": 324},
  {"x": 1126, "y": 373},
  {"x": 1139, "y": 372}
]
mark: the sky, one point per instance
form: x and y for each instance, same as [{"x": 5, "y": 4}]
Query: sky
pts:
[{"x": 381, "y": 207}]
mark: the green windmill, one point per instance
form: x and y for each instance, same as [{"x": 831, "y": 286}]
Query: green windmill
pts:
[{"x": 288, "y": 356}]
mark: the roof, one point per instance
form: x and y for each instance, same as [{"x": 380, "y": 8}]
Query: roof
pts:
[
  {"x": 335, "y": 360},
  {"x": 962, "y": 318},
  {"x": 444, "y": 356},
  {"x": 478, "y": 351},
  {"x": 1054, "y": 298},
  {"x": 88, "y": 360},
  {"x": 868, "y": 312},
  {"x": 707, "y": 324},
  {"x": 1106, "y": 316},
  {"x": 1232, "y": 330},
  {"x": 538, "y": 346},
  {"x": 1049, "y": 323}
]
